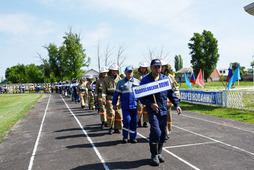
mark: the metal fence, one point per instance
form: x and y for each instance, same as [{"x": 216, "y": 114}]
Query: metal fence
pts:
[{"x": 243, "y": 100}]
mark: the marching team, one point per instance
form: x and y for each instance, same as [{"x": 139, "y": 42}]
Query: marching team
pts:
[{"x": 119, "y": 110}]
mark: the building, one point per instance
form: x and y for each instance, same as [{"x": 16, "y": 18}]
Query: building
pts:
[
  {"x": 249, "y": 8},
  {"x": 223, "y": 72},
  {"x": 90, "y": 72}
]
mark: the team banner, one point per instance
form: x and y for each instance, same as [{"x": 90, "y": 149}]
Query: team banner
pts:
[
  {"x": 151, "y": 88},
  {"x": 205, "y": 97}
]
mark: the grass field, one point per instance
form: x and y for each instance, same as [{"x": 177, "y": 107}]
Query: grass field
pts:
[
  {"x": 234, "y": 114},
  {"x": 14, "y": 107},
  {"x": 216, "y": 85}
]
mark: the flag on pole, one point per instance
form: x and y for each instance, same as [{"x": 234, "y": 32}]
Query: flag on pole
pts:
[
  {"x": 230, "y": 72},
  {"x": 199, "y": 80},
  {"x": 215, "y": 74},
  {"x": 193, "y": 80},
  {"x": 187, "y": 81},
  {"x": 236, "y": 76}
]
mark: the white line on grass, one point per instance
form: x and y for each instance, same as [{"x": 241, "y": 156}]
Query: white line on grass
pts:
[
  {"x": 89, "y": 139},
  {"x": 38, "y": 138},
  {"x": 235, "y": 147},
  {"x": 216, "y": 123},
  {"x": 184, "y": 161}
]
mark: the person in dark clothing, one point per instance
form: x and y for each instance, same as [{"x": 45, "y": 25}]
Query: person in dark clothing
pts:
[{"x": 157, "y": 110}]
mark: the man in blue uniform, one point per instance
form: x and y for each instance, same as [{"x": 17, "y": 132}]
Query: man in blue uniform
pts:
[
  {"x": 128, "y": 104},
  {"x": 157, "y": 110}
]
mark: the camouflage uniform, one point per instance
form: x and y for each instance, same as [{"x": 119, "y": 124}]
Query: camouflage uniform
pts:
[
  {"x": 90, "y": 95},
  {"x": 82, "y": 92},
  {"x": 141, "y": 108},
  {"x": 114, "y": 116}
]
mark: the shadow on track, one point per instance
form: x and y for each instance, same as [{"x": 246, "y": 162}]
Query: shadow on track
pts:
[{"x": 116, "y": 165}]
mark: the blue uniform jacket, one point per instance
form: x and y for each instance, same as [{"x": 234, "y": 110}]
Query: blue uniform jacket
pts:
[
  {"x": 161, "y": 98},
  {"x": 124, "y": 89}
]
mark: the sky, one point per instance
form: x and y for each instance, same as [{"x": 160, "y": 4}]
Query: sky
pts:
[{"x": 139, "y": 25}]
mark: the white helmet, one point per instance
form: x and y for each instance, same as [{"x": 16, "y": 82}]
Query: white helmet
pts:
[
  {"x": 104, "y": 69},
  {"x": 143, "y": 64},
  {"x": 114, "y": 67},
  {"x": 163, "y": 63},
  {"x": 90, "y": 76}
]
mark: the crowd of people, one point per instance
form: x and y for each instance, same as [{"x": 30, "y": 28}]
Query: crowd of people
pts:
[
  {"x": 31, "y": 88},
  {"x": 114, "y": 100}
]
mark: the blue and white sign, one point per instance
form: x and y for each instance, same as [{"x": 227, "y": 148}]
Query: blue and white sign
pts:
[
  {"x": 74, "y": 84},
  {"x": 205, "y": 97},
  {"x": 151, "y": 88},
  {"x": 93, "y": 87}
]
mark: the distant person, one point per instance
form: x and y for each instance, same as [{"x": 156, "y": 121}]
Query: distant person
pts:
[
  {"x": 82, "y": 92},
  {"x": 98, "y": 96},
  {"x": 90, "y": 96}
]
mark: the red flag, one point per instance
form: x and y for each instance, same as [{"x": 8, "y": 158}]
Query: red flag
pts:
[
  {"x": 193, "y": 80},
  {"x": 230, "y": 72},
  {"x": 199, "y": 80},
  {"x": 215, "y": 74}
]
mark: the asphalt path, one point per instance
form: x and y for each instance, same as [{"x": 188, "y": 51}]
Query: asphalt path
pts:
[{"x": 58, "y": 134}]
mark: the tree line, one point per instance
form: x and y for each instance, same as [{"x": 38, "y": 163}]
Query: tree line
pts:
[{"x": 64, "y": 63}]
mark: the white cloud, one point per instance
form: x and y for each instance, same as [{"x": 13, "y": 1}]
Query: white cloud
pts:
[
  {"x": 176, "y": 15},
  {"x": 23, "y": 27},
  {"x": 102, "y": 32}
]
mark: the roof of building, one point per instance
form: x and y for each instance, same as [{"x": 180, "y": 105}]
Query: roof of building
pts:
[{"x": 249, "y": 8}]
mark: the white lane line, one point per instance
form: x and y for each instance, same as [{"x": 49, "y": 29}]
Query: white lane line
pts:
[
  {"x": 184, "y": 161},
  {"x": 89, "y": 139},
  {"x": 215, "y": 140},
  {"x": 38, "y": 137},
  {"x": 217, "y": 123},
  {"x": 194, "y": 167},
  {"x": 193, "y": 144}
]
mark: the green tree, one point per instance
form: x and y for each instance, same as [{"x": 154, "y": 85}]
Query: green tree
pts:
[
  {"x": 75, "y": 56},
  {"x": 56, "y": 62},
  {"x": 16, "y": 74},
  {"x": 204, "y": 53},
  {"x": 66, "y": 61},
  {"x": 242, "y": 68},
  {"x": 178, "y": 62},
  {"x": 252, "y": 63},
  {"x": 34, "y": 74}
]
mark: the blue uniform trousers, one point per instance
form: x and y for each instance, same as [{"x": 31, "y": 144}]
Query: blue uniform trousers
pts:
[
  {"x": 75, "y": 97},
  {"x": 130, "y": 118},
  {"x": 158, "y": 128}
]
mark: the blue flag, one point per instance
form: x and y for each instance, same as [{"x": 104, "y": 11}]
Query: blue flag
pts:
[
  {"x": 187, "y": 81},
  {"x": 236, "y": 76}
]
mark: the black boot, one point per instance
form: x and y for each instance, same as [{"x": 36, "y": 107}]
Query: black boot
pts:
[
  {"x": 102, "y": 125},
  {"x": 145, "y": 125},
  {"x": 154, "y": 151},
  {"x": 117, "y": 131},
  {"x": 110, "y": 131},
  {"x": 139, "y": 123},
  {"x": 161, "y": 158}
]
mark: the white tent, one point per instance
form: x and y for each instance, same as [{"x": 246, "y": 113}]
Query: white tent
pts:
[
  {"x": 250, "y": 8},
  {"x": 185, "y": 70}
]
